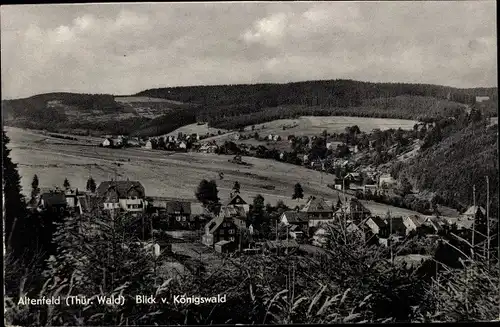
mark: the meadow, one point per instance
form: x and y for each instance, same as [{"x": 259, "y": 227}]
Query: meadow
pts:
[{"x": 165, "y": 173}]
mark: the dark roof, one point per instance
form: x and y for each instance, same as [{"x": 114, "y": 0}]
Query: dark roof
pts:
[
  {"x": 294, "y": 217},
  {"x": 378, "y": 221},
  {"x": 53, "y": 199},
  {"x": 122, "y": 187},
  {"x": 236, "y": 199},
  {"x": 396, "y": 223},
  {"x": 178, "y": 206},
  {"x": 316, "y": 205}
]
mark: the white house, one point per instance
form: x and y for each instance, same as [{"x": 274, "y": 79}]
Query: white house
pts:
[
  {"x": 106, "y": 142},
  {"x": 321, "y": 235},
  {"x": 149, "y": 145},
  {"x": 386, "y": 180},
  {"x": 413, "y": 222},
  {"x": 472, "y": 211},
  {"x": 182, "y": 145},
  {"x": 482, "y": 98},
  {"x": 125, "y": 195}
]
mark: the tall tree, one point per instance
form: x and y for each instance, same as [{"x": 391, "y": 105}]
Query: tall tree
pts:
[
  {"x": 91, "y": 185},
  {"x": 66, "y": 184},
  {"x": 257, "y": 212},
  {"x": 207, "y": 192},
  {"x": 35, "y": 190},
  {"x": 14, "y": 204},
  {"x": 236, "y": 187},
  {"x": 298, "y": 192}
]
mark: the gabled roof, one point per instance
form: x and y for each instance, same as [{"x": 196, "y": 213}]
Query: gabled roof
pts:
[
  {"x": 316, "y": 205},
  {"x": 473, "y": 210},
  {"x": 232, "y": 211},
  {"x": 236, "y": 199},
  {"x": 396, "y": 223},
  {"x": 294, "y": 217},
  {"x": 53, "y": 199},
  {"x": 417, "y": 220},
  {"x": 214, "y": 224},
  {"x": 178, "y": 206},
  {"x": 378, "y": 221},
  {"x": 122, "y": 187}
]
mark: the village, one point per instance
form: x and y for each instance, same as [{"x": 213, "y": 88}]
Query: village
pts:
[{"x": 187, "y": 228}]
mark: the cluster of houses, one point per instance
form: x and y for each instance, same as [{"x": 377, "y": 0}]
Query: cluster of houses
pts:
[
  {"x": 371, "y": 182},
  {"x": 225, "y": 230},
  {"x": 170, "y": 142}
]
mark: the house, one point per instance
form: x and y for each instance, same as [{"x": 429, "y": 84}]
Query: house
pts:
[
  {"x": 282, "y": 156},
  {"x": 53, "y": 201},
  {"x": 375, "y": 224},
  {"x": 372, "y": 188},
  {"x": 413, "y": 222},
  {"x": 473, "y": 211},
  {"x": 133, "y": 142},
  {"x": 236, "y": 214},
  {"x": 356, "y": 230},
  {"x": 318, "y": 211},
  {"x": 355, "y": 180},
  {"x": 117, "y": 142},
  {"x": 149, "y": 145},
  {"x": 386, "y": 181},
  {"x": 339, "y": 184},
  {"x": 179, "y": 214},
  {"x": 321, "y": 235},
  {"x": 219, "y": 229},
  {"x": 73, "y": 200},
  {"x": 122, "y": 195},
  {"x": 305, "y": 158},
  {"x": 357, "y": 211},
  {"x": 237, "y": 136},
  {"x": 182, "y": 145},
  {"x": 393, "y": 226},
  {"x": 296, "y": 233},
  {"x": 482, "y": 98},
  {"x": 225, "y": 246},
  {"x": 107, "y": 142},
  {"x": 295, "y": 218},
  {"x": 270, "y": 137},
  {"x": 276, "y": 138}
]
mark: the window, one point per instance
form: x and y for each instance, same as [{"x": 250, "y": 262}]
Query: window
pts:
[
  {"x": 231, "y": 231},
  {"x": 178, "y": 218},
  {"x": 231, "y": 238},
  {"x": 183, "y": 218}
]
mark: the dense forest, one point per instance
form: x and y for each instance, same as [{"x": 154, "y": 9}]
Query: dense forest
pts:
[
  {"x": 401, "y": 107},
  {"x": 235, "y": 106},
  {"x": 329, "y": 93},
  {"x": 457, "y": 159}
]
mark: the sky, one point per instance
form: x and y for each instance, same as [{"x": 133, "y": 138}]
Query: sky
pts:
[{"x": 126, "y": 48}]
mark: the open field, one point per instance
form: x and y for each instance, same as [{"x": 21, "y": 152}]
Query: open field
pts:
[
  {"x": 164, "y": 173},
  {"x": 131, "y": 99},
  {"x": 195, "y": 128},
  {"x": 312, "y": 125}
]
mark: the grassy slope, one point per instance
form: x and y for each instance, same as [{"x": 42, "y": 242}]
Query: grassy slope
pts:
[{"x": 163, "y": 173}]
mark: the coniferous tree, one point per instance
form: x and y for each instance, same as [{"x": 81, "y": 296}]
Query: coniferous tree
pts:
[
  {"x": 15, "y": 212},
  {"x": 66, "y": 184},
  {"x": 91, "y": 185},
  {"x": 236, "y": 187},
  {"x": 298, "y": 192},
  {"x": 35, "y": 190}
]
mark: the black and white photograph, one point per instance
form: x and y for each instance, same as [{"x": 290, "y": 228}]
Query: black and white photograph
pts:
[{"x": 250, "y": 163}]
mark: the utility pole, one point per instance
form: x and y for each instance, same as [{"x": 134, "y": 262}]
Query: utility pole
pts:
[
  {"x": 488, "y": 219},
  {"x": 473, "y": 217},
  {"x": 390, "y": 234}
]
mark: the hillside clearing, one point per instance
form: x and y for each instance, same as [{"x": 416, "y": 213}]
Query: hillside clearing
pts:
[
  {"x": 132, "y": 99},
  {"x": 167, "y": 174}
]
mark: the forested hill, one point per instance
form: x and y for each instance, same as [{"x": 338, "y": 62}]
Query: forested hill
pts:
[
  {"x": 327, "y": 93},
  {"x": 458, "y": 158}
]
